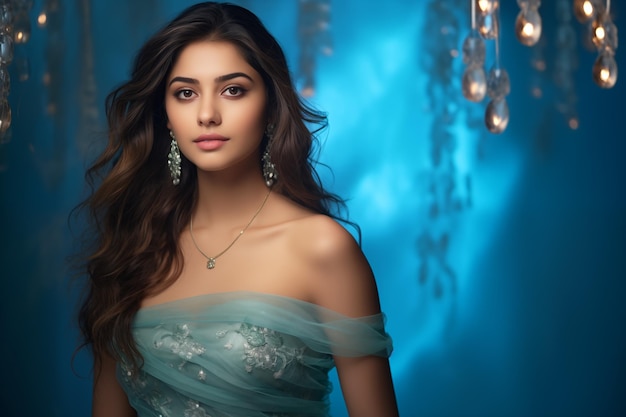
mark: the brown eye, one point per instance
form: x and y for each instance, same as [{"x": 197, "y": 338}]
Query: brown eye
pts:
[
  {"x": 184, "y": 94},
  {"x": 234, "y": 91}
]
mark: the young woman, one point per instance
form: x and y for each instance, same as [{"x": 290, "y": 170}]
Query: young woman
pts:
[{"x": 220, "y": 284}]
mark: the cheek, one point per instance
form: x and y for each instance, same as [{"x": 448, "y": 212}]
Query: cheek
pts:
[
  {"x": 256, "y": 117},
  {"x": 174, "y": 110}
]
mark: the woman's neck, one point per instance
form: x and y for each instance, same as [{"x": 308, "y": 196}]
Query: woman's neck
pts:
[{"x": 224, "y": 202}]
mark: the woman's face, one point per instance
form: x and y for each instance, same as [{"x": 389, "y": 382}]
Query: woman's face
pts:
[{"x": 216, "y": 107}]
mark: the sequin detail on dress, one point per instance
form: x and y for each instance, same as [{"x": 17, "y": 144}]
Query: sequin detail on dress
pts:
[
  {"x": 181, "y": 343},
  {"x": 263, "y": 349},
  {"x": 195, "y": 410}
]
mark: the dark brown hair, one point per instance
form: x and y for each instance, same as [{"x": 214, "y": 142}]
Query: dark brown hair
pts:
[{"x": 136, "y": 213}]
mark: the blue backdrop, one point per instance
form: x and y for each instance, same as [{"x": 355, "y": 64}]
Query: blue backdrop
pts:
[{"x": 500, "y": 258}]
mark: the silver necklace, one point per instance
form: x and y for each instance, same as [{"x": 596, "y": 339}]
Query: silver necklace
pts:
[{"x": 210, "y": 264}]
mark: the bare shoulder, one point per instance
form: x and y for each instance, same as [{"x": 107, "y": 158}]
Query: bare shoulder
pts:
[
  {"x": 323, "y": 240},
  {"x": 337, "y": 272}
]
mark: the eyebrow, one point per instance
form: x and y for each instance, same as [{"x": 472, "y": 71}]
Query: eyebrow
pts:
[{"x": 219, "y": 79}]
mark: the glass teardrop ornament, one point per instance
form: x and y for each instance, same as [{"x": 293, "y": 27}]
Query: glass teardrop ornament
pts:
[
  {"x": 604, "y": 33},
  {"x": 605, "y": 70},
  {"x": 497, "y": 116},
  {"x": 585, "y": 10},
  {"x": 498, "y": 83},
  {"x": 474, "y": 50},
  {"x": 474, "y": 83},
  {"x": 528, "y": 26}
]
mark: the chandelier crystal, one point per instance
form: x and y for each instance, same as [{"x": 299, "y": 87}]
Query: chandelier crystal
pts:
[
  {"x": 314, "y": 37},
  {"x": 475, "y": 83},
  {"x": 604, "y": 37},
  {"x": 485, "y": 25},
  {"x": 15, "y": 28},
  {"x": 528, "y": 23}
]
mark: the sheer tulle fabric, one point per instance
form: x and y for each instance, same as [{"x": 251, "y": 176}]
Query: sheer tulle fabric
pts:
[{"x": 243, "y": 354}]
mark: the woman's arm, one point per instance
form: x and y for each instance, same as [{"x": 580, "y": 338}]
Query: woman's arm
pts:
[
  {"x": 108, "y": 397},
  {"x": 344, "y": 282},
  {"x": 367, "y": 386}
]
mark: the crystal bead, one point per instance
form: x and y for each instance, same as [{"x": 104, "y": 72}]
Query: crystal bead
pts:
[
  {"x": 6, "y": 49},
  {"x": 585, "y": 10},
  {"x": 5, "y": 81},
  {"x": 497, "y": 115},
  {"x": 474, "y": 50},
  {"x": 474, "y": 83},
  {"x": 488, "y": 6},
  {"x": 498, "y": 83},
  {"x": 604, "y": 33},
  {"x": 6, "y": 14},
  {"x": 605, "y": 70},
  {"x": 21, "y": 28},
  {"x": 528, "y": 26},
  {"x": 5, "y": 115},
  {"x": 488, "y": 26}
]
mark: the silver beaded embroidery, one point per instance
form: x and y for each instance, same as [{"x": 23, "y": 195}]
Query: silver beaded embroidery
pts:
[
  {"x": 263, "y": 348},
  {"x": 195, "y": 410},
  {"x": 181, "y": 343}
]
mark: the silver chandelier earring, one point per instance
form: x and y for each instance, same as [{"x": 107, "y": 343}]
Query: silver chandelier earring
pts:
[
  {"x": 269, "y": 169},
  {"x": 174, "y": 160}
]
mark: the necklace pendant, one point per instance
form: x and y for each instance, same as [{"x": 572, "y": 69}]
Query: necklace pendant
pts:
[{"x": 210, "y": 263}]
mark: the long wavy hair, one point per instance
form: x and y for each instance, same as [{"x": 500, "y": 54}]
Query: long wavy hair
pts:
[{"x": 136, "y": 213}]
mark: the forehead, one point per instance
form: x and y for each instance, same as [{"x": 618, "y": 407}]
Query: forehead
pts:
[{"x": 209, "y": 58}]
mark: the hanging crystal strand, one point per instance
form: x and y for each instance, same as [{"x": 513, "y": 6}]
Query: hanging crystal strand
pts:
[
  {"x": 539, "y": 65},
  {"x": 498, "y": 87},
  {"x": 565, "y": 63},
  {"x": 88, "y": 87},
  {"x": 15, "y": 29},
  {"x": 474, "y": 80},
  {"x": 446, "y": 188},
  {"x": 604, "y": 37},
  {"x": 314, "y": 37},
  {"x": 6, "y": 57},
  {"x": 528, "y": 22}
]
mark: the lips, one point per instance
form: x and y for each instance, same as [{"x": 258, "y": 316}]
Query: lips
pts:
[
  {"x": 210, "y": 137},
  {"x": 210, "y": 142}
]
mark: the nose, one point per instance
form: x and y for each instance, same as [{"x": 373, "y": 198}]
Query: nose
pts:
[{"x": 208, "y": 112}]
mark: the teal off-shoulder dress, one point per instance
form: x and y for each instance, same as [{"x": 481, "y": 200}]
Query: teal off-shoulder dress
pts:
[{"x": 243, "y": 354}]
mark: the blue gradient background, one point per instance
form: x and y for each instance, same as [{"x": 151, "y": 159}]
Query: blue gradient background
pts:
[{"x": 536, "y": 324}]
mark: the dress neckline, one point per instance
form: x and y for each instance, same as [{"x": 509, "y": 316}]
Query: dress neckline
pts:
[{"x": 228, "y": 295}]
